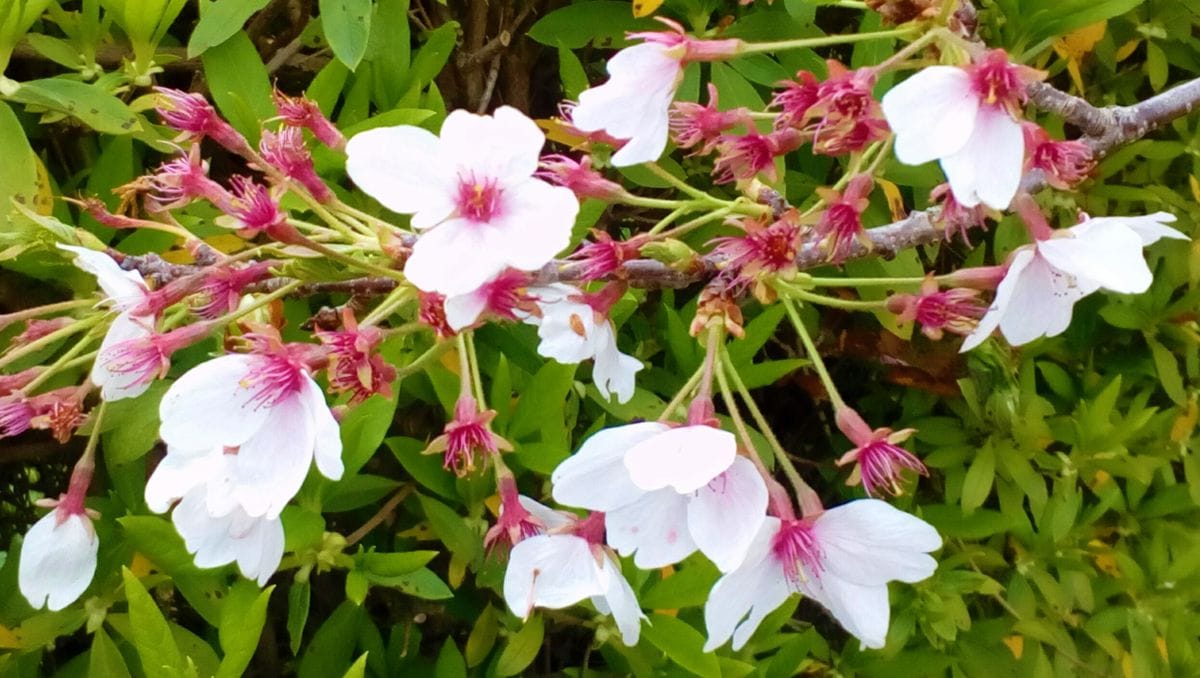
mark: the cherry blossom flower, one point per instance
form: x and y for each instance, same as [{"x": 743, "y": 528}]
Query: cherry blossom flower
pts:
[
  {"x": 354, "y": 365},
  {"x": 467, "y": 435},
  {"x": 501, "y": 297},
  {"x": 221, "y": 287},
  {"x": 568, "y": 565},
  {"x": 879, "y": 460},
  {"x": 196, "y": 118},
  {"x": 580, "y": 177},
  {"x": 304, "y": 112},
  {"x": 742, "y": 157},
  {"x": 953, "y": 216},
  {"x": 795, "y": 98},
  {"x": 604, "y": 256},
  {"x": 270, "y": 410},
  {"x": 16, "y": 414},
  {"x": 180, "y": 182},
  {"x": 840, "y": 114},
  {"x": 843, "y": 558},
  {"x": 518, "y": 517},
  {"x": 840, "y": 226},
  {"x": 474, "y": 193},
  {"x": 58, "y": 558},
  {"x": 132, "y": 355},
  {"x": 255, "y": 543},
  {"x": 634, "y": 103},
  {"x": 701, "y": 126},
  {"x": 124, "y": 290},
  {"x": 285, "y": 151},
  {"x": 1063, "y": 163},
  {"x": 432, "y": 313},
  {"x": 571, "y": 330},
  {"x": 937, "y": 311},
  {"x": 1045, "y": 279},
  {"x": 667, "y": 492},
  {"x": 967, "y": 118},
  {"x": 59, "y": 411},
  {"x": 764, "y": 249}
]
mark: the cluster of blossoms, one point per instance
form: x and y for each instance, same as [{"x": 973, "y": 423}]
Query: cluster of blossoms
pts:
[{"x": 487, "y": 216}]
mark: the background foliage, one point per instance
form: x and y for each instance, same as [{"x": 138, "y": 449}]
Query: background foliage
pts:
[{"x": 1063, "y": 479}]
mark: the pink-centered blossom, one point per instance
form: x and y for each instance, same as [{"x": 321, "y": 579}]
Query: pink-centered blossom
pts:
[
  {"x": 604, "y": 255},
  {"x": 269, "y": 410},
  {"x": 1063, "y": 163},
  {"x": 304, "y": 113},
  {"x": 840, "y": 115},
  {"x": 517, "y": 519},
  {"x": 1045, "y": 279},
  {"x": 355, "y": 366},
  {"x": 579, "y": 176},
  {"x": 840, "y": 226},
  {"x": 879, "y": 460},
  {"x": 192, "y": 115},
  {"x": 286, "y": 151},
  {"x": 504, "y": 297},
  {"x": 132, "y": 355},
  {"x": 968, "y": 119},
  {"x": 222, "y": 286},
  {"x": 566, "y": 565},
  {"x": 472, "y": 191},
  {"x": 843, "y": 558},
  {"x": 667, "y": 492},
  {"x": 938, "y": 311},
  {"x": 743, "y": 157},
  {"x": 467, "y": 436},
  {"x": 634, "y": 103},
  {"x": 701, "y": 126},
  {"x": 180, "y": 182}
]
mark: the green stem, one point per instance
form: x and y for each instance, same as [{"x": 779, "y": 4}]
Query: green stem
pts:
[
  {"x": 668, "y": 220},
  {"x": 258, "y": 303},
  {"x": 351, "y": 261},
  {"x": 424, "y": 359},
  {"x": 63, "y": 361},
  {"x": 476, "y": 379},
  {"x": 862, "y": 282},
  {"x": 656, "y": 203},
  {"x": 363, "y": 216},
  {"x": 395, "y": 299},
  {"x": 832, "y": 302},
  {"x": 910, "y": 49},
  {"x": 38, "y": 311},
  {"x": 811, "y": 349},
  {"x": 680, "y": 230},
  {"x": 38, "y": 344},
  {"x": 683, "y": 393},
  {"x": 802, "y": 43},
  {"x": 680, "y": 184},
  {"x": 802, "y": 488}
]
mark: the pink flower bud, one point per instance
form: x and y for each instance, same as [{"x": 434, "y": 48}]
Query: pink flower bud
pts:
[
  {"x": 221, "y": 287},
  {"x": 15, "y": 382},
  {"x": 955, "y": 310},
  {"x": 37, "y": 328},
  {"x": 743, "y": 157},
  {"x": 840, "y": 225},
  {"x": 254, "y": 208},
  {"x": 579, "y": 176},
  {"x": 196, "y": 118},
  {"x": 1063, "y": 163},
  {"x": 304, "y": 112},
  {"x": 604, "y": 256},
  {"x": 16, "y": 415},
  {"x": 179, "y": 182},
  {"x": 515, "y": 523},
  {"x": 286, "y": 152},
  {"x": 700, "y": 127}
]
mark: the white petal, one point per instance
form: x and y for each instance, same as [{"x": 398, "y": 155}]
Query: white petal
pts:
[
  {"x": 177, "y": 474},
  {"x": 621, "y": 602},
  {"x": 125, "y": 289},
  {"x": 932, "y": 113},
  {"x": 504, "y": 145},
  {"x": 654, "y": 529},
  {"x": 595, "y": 477},
  {"x": 549, "y": 518},
  {"x": 405, "y": 169},
  {"x": 988, "y": 168},
  {"x": 120, "y": 385},
  {"x": 633, "y": 104},
  {"x": 724, "y": 516},
  {"x": 462, "y": 310},
  {"x": 862, "y": 610},
  {"x": 1108, "y": 254},
  {"x": 212, "y": 392},
  {"x": 58, "y": 561},
  {"x": 616, "y": 374},
  {"x": 327, "y": 450},
  {"x": 870, "y": 542},
  {"x": 754, "y": 589},
  {"x": 1041, "y": 302},
  {"x": 204, "y": 536},
  {"x": 567, "y": 331},
  {"x": 452, "y": 259},
  {"x": 259, "y": 546},
  {"x": 552, "y": 571},
  {"x": 271, "y": 465},
  {"x": 1020, "y": 260},
  {"x": 532, "y": 225},
  {"x": 685, "y": 458},
  {"x": 1151, "y": 227}
]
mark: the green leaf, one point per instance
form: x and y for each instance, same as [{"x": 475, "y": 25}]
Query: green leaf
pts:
[
  {"x": 92, "y": 105},
  {"x": 219, "y": 20},
  {"x": 451, "y": 529},
  {"x": 602, "y": 22},
  {"x": 151, "y": 633},
  {"x": 1167, "y": 367},
  {"x": 450, "y": 662},
  {"x": 483, "y": 636},
  {"x": 358, "y": 669},
  {"x": 105, "y": 659},
  {"x": 243, "y": 615},
  {"x": 426, "y": 469},
  {"x": 431, "y": 58},
  {"x": 299, "y": 596},
  {"x": 333, "y": 644},
  {"x": 363, "y": 430},
  {"x": 422, "y": 583},
  {"x": 394, "y": 564},
  {"x": 134, "y": 424},
  {"x": 522, "y": 648},
  {"x": 570, "y": 71},
  {"x": 18, "y": 171},
  {"x": 347, "y": 26},
  {"x": 683, "y": 644},
  {"x": 540, "y": 407},
  {"x": 978, "y": 482},
  {"x": 239, "y": 84}
]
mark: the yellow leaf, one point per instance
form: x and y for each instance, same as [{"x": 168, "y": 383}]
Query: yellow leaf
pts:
[
  {"x": 1016, "y": 645},
  {"x": 1127, "y": 665},
  {"x": 1185, "y": 424},
  {"x": 1162, "y": 648},
  {"x": 43, "y": 200},
  {"x": 9, "y": 639},
  {"x": 140, "y": 565},
  {"x": 493, "y": 504},
  {"x": 894, "y": 199},
  {"x": 1080, "y": 42},
  {"x": 457, "y": 571},
  {"x": 1124, "y": 51},
  {"x": 449, "y": 360},
  {"x": 643, "y": 8}
]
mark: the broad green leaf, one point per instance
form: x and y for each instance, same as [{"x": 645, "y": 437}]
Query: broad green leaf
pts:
[
  {"x": 450, "y": 662},
  {"x": 358, "y": 669},
  {"x": 601, "y": 22},
  {"x": 347, "y": 25},
  {"x": 92, "y": 105},
  {"x": 426, "y": 469},
  {"x": 239, "y": 84},
  {"x": 422, "y": 583},
  {"x": 483, "y": 636},
  {"x": 452, "y": 529},
  {"x": 151, "y": 633},
  {"x": 298, "y": 601},
  {"x": 219, "y": 20},
  {"x": 134, "y": 424},
  {"x": 332, "y": 646},
  {"x": 683, "y": 644},
  {"x": 978, "y": 483},
  {"x": 521, "y": 649},
  {"x": 431, "y": 58},
  {"x": 243, "y": 615},
  {"x": 363, "y": 430},
  {"x": 394, "y": 564},
  {"x": 105, "y": 659}
]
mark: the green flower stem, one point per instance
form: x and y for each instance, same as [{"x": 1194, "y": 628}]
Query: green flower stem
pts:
[
  {"x": 38, "y": 311},
  {"x": 803, "y": 490},
  {"x": 362, "y": 216},
  {"x": 811, "y": 349},
  {"x": 684, "y": 228},
  {"x": 355, "y": 263},
  {"x": 48, "y": 340},
  {"x": 394, "y": 300},
  {"x": 803, "y": 43},
  {"x": 833, "y": 302},
  {"x": 67, "y": 359},
  {"x": 327, "y": 216},
  {"x": 476, "y": 379},
  {"x": 418, "y": 364},
  {"x": 862, "y": 282},
  {"x": 682, "y": 394},
  {"x": 658, "y": 203},
  {"x": 668, "y": 220}
]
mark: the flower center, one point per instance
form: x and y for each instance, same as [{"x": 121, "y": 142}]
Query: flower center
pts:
[
  {"x": 997, "y": 82},
  {"x": 478, "y": 199},
  {"x": 796, "y": 548},
  {"x": 273, "y": 378}
]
